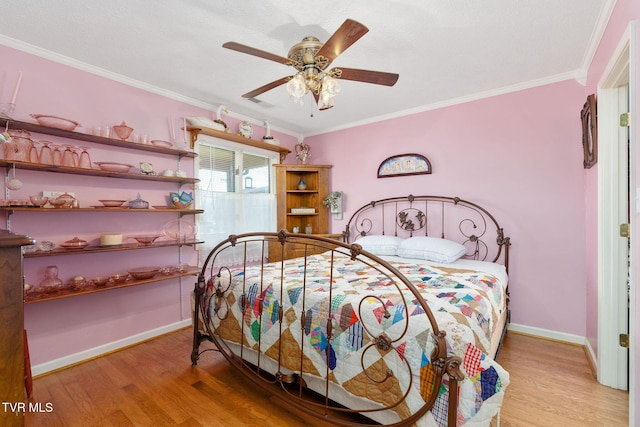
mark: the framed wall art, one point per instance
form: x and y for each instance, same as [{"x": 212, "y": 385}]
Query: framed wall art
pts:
[
  {"x": 589, "y": 118},
  {"x": 404, "y": 164}
]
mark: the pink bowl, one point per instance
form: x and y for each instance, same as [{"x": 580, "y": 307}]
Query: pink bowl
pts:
[
  {"x": 120, "y": 278},
  {"x": 113, "y": 167},
  {"x": 112, "y": 203},
  {"x": 160, "y": 143},
  {"x": 101, "y": 280},
  {"x": 144, "y": 272},
  {"x": 146, "y": 240},
  {"x": 55, "y": 122}
]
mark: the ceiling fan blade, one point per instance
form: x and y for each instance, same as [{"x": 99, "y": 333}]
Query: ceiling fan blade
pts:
[
  {"x": 256, "y": 52},
  {"x": 268, "y": 86},
  {"x": 348, "y": 33},
  {"x": 368, "y": 76}
]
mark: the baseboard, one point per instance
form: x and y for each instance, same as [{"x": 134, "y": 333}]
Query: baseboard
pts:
[
  {"x": 548, "y": 334},
  {"x": 592, "y": 360},
  {"x": 92, "y": 353}
]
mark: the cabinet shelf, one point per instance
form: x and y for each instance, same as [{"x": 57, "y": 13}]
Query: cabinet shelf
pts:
[
  {"x": 79, "y": 136},
  {"x": 293, "y": 197},
  {"x": 123, "y": 247},
  {"x": 66, "y": 292},
  {"x": 95, "y": 172}
]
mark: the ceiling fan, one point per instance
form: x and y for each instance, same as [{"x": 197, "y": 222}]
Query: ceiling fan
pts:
[{"x": 311, "y": 58}]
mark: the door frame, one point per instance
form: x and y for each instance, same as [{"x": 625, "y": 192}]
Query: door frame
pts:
[
  {"x": 621, "y": 67},
  {"x": 612, "y": 249}
]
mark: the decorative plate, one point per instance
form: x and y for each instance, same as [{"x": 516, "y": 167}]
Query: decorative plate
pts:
[
  {"x": 245, "y": 130},
  {"x": 146, "y": 168}
]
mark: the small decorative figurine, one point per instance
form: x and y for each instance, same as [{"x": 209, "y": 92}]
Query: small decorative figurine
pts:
[{"x": 303, "y": 152}]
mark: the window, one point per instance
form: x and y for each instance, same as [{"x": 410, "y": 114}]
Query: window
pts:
[{"x": 236, "y": 190}]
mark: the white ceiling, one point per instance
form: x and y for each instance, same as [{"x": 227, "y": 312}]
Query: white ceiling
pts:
[{"x": 445, "y": 51}]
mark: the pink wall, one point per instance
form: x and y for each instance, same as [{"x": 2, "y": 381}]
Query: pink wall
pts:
[
  {"x": 64, "y": 327},
  {"x": 518, "y": 155}
]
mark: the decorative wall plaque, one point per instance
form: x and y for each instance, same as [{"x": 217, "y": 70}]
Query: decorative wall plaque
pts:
[{"x": 404, "y": 164}]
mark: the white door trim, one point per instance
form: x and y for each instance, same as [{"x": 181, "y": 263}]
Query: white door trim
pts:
[{"x": 612, "y": 249}]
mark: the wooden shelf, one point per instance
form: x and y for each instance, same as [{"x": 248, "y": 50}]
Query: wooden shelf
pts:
[
  {"x": 195, "y": 131},
  {"x": 43, "y": 210},
  {"x": 72, "y": 291},
  {"x": 123, "y": 247},
  {"x": 66, "y": 292},
  {"x": 95, "y": 172},
  {"x": 78, "y": 136},
  {"x": 291, "y": 195}
]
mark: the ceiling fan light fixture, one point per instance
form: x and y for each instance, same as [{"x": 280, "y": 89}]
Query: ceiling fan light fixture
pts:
[
  {"x": 319, "y": 83},
  {"x": 297, "y": 88},
  {"x": 325, "y": 102},
  {"x": 330, "y": 86}
]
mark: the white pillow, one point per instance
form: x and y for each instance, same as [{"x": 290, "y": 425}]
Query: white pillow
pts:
[
  {"x": 204, "y": 122},
  {"x": 380, "y": 244},
  {"x": 431, "y": 249}
]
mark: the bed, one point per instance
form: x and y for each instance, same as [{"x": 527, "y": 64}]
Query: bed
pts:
[{"x": 398, "y": 324}]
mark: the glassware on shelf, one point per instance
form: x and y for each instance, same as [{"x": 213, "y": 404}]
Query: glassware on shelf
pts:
[
  {"x": 84, "y": 161},
  {"x": 67, "y": 157},
  {"x": 76, "y": 156},
  {"x": 51, "y": 279},
  {"x": 14, "y": 183},
  {"x": 34, "y": 156},
  {"x": 17, "y": 149},
  {"x": 56, "y": 155},
  {"x": 46, "y": 156},
  {"x": 6, "y": 109}
]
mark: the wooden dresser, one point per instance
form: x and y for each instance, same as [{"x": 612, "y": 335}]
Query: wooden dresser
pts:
[{"x": 12, "y": 361}]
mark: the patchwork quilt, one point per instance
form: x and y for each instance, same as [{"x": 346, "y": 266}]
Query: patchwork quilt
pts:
[{"x": 323, "y": 318}]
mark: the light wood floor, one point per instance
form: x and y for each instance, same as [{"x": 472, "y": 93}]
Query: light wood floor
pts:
[{"x": 154, "y": 384}]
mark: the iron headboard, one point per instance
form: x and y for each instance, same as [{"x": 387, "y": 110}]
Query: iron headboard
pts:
[{"x": 449, "y": 218}]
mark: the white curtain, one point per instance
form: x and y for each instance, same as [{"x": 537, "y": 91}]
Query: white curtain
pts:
[{"x": 234, "y": 213}]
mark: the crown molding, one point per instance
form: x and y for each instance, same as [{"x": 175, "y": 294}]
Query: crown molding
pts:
[
  {"x": 577, "y": 75},
  {"x": 83, "y": 66},
  {"x": 596, "y": 36}
]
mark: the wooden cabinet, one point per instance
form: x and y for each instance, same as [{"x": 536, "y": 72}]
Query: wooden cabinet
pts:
[
  {"x": 52, "y": 215},
  {"x": 300, "y": 190},
  {"x": 12, "y": 386}
]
